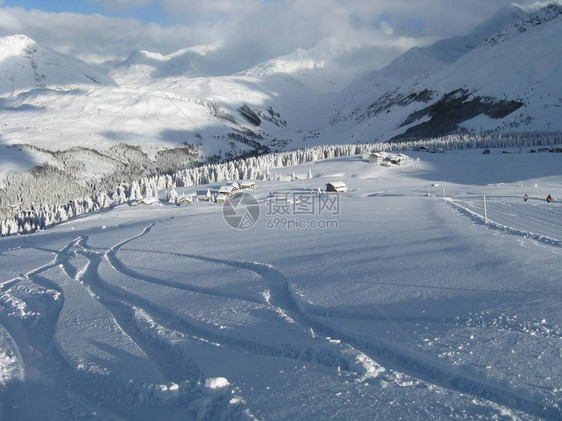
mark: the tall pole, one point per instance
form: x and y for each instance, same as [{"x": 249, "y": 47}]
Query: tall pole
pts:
[{"x": 485, "y": 211}]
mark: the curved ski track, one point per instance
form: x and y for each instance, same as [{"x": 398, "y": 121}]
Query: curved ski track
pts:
[
  {"x": 410, "y": 361},
  {"x": 175, "y": 365}
]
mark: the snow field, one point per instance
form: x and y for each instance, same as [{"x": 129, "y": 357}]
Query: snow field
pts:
[{"x": 409, "y": 308}]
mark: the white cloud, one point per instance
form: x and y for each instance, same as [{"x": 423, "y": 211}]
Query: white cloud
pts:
[
  {"x": 212, "y": 7},
  {"x": 8, "y": 21},
  {"x": 121, "y": 4},
  {"x": 367, "y": 33},
  {"x": 97, "y": 35}
]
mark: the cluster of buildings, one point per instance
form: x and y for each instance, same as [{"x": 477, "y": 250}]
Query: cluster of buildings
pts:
[
  {"x": 230, "y": 188},
  {"x": 387, "y": 159}
]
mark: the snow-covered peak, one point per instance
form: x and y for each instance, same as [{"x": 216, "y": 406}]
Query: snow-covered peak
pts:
[
  {"x": 532, "y": 8},
  {"x": 428, "y": 59},
  {"x": 15, "y": 45},
  {"x": 291, "y": 63},
  {"x": 317, "y": 67},
  {"x": 144, "y": 56},
  {"x": 25, "y": 65},
  {"x": 504, "y": 75},
  {"x": 505, "y": 16},
  {"x": 189, "y": 62},
  {"x": 535, "y": 18}
]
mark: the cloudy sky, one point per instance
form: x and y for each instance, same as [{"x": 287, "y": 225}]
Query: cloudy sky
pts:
[{"x": 372, "y": 32}]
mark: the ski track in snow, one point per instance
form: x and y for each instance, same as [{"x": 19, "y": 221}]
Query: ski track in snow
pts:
[
  {"x": 52, "y": 361},
  {"x": 409, "y": 361},
  {"x": 176, "y": 366},
  {"x": 193, "y": 328},
  {"x": 116, "y": 264},
  {"x": 503, "y": 217},
  {"x": 329, "y": 312},
  {"x": 87, "y": 388}
]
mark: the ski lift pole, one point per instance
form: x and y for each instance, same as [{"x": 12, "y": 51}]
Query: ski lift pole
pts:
[{"x": 485, "y": 211}]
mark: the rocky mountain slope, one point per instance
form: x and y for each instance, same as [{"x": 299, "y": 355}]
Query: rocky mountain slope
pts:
[{"x": 504, "y": 76}]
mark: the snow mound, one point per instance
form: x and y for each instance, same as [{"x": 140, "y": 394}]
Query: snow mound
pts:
[
  {"x": 14, "y": 306},
  {"x": 216, "y": 383}
]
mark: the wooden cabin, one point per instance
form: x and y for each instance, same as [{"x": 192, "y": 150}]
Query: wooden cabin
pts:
[
  {"x": 376, "y": 157},
  {"x": 221, "y": 198},
  {"x": 247, "y": 184},
  {"x": 336, "y": 187},
  {"x": 146, "y": 201},
  {"x": 399, "y": 159},
  {"x": 226, "y": 190},
  {"x": 185, "y": 201}
]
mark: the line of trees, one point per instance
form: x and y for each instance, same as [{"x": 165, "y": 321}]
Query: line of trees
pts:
[{"x": 41, "y": 216}]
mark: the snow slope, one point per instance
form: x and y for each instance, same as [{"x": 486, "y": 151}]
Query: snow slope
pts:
[{"x": 408, "y": 307}]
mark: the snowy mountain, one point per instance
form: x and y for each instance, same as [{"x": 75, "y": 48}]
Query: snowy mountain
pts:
[
  {"x": 503, "y": 76},
  {"x": 140, "y": 65},
  {"x": 171, "y": 111},
  {"x": 313, "y": 68},
  {"x": 158, "y": 107},
  {"x": 25, "y": 65},
  {"x": 419, "y": 61}
]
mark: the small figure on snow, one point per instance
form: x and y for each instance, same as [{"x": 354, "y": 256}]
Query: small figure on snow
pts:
[
  {"x": 549, "y": 198},
  {"x": 526, "y": 197}
]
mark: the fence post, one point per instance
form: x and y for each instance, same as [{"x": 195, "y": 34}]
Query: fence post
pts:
[{"x": 485, "y": 211}]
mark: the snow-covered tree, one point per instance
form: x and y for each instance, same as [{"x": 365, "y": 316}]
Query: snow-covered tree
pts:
[
  {"x": 45, "y": 212},
  {"x": 135, "y": 191},
  {"x": 172, "y": 196},
  {"x": 61, "y": 214}
]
